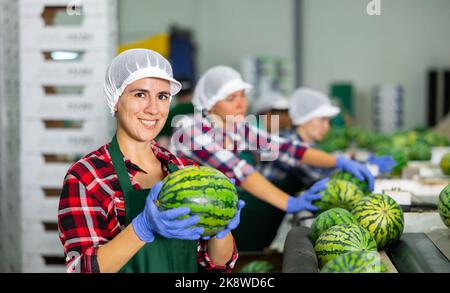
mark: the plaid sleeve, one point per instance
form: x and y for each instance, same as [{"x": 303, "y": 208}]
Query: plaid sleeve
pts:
[
  {"x": 195, "y": 143},
  {"x": 273, "y": 147},
  {"x": 82, "y": 223},
  {"x": 204, "y": 260}
]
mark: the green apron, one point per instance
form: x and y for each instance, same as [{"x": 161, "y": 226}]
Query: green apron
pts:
[
  {"x": 257, "y": 213},
  {"x": 162, "y": 255}
]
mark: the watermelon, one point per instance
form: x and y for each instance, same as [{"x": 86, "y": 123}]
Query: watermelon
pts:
[
  {"x": 356, "y": 262},
  {"x": 257, "y": 266},
  {"x": 382, "y": 216},
  {"x": 341, "y": 239},
  {"x": 420, "y": 151},
  {"x": 399, "y": 156},
  {"x": 445, "y": 164},
  {"x": 338, "y": 194},
  {"x": 206, "y": 191},
  {"x": 329, "y": 219},
  {"x": 363, "y": 185},
  {"x": 444, "y": 205}
]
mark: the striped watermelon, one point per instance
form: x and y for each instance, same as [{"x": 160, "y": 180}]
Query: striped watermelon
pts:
[
  {"x": 363, "y": 185},
  {"x": 341, "y": 239},
  {"x": 444, "y": 205},
  {"x": 257, "y": 266},
  {"x": 206, "y": 191},
  {"x": 339, "y": 194},
  {"x": 356, "y": 262},
  {"x": 328, "y": 219},
  {"x": 382, "y": 217},
  {"x": 445, "y": 164}
]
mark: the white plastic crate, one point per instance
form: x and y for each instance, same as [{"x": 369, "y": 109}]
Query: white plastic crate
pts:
[
  {"x": 34, "y": 69},
  {"x": 65, "y": 108},
  {"x": 89, "y": 8},
  {"x": 35, "y": 171},
  {"x": 36, "y": 137},
  {"x": 35, "y": 263},
  {"x": 94, "y": 34},
  {"x": 36, "y": 205},
  {"x": 35, "y": 238},
  {"x": 87, "y": 103}
]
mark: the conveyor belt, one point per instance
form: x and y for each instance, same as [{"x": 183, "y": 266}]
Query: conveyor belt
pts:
[
  {"x": 416, "y": 253},
  {"x": 441, "y": 239},
  {"x": 299, "y": 255}
]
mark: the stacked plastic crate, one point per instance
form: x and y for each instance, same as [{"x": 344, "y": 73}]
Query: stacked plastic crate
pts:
[
  {"x": 267, "y": 74},
  {"x": 65, "y": 48},
  {"x": 387, "y": 108},
  {"x": 9, "y": 135}
]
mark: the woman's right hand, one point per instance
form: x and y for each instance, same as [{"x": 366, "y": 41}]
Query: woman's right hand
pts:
[{"x": 152, "y": 221}]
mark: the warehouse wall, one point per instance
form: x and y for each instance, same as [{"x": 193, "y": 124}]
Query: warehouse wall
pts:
[
  {"x": 341, "y": 42},
  {"x": 225, "y": 31}
]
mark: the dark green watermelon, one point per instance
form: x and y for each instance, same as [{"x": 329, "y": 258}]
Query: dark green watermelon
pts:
[
  {"x": 420, "y": 151},
  {"x": 356, "y": 262},
  {"x": 363, "y": 185},
  {"x": 206, "y": 191},
  {"x": 338, "y": 194},
  {"x": 328, "y": 219},
  {"x": 257, "y": 266},
  {"x": 444, "y": 205},
  {"x": 341, "y": 239}
]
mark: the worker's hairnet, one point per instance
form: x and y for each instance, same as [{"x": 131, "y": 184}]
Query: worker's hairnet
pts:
[
  {"x": 132, "y": 65},
  {"x": 272, "y": 100},
  {"x": 307, "y": 104},
  {"x": 215, "y": 85}
]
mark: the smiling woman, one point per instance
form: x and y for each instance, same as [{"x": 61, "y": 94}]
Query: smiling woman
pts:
[
  {"x": 107, "y": 217},
  {"x": 144, "y": 107}
]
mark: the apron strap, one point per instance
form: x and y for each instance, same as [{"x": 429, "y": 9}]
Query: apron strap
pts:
[{"x": 119, "y": 166}]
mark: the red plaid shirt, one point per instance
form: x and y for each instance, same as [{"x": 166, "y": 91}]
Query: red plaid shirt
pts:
[
  {"x": 92, "y": 210},
  {"x": 195, "y": 137}
]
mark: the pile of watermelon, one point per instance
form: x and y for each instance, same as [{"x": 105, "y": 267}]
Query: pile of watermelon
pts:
[
  {"x": 206, "y": 191},
  {"x": 403, "y": 146},
  {"x": 347, "y": 237}
]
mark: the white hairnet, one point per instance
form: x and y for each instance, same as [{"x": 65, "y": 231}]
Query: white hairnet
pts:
[
  {"x": 271, "y": 100},
  {"x": 215, "y": 85},
  {"x": 307, "y": 104},
  {"x": 132, "y": 65}
]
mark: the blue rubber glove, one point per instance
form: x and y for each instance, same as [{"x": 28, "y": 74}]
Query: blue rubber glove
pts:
[
  {"x": 304, "y": 201},
  {"x": 357, "y": 169},
  {"x": 152, "y": 221},
  {"x": 385, "y": 163},
  {"x": 231, "y": 225}
]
